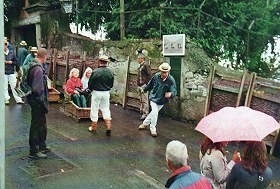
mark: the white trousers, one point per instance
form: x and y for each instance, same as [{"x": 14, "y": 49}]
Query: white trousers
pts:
[
  {"x": 100, "y": 100},
  {"x": 152, "y": 117},
  {"x": 12, "y": 80}
]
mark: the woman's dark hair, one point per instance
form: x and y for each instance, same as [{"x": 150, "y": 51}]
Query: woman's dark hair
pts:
[
  {"x": 208, "y": 144},
  {"x": 254, "y": 156}
]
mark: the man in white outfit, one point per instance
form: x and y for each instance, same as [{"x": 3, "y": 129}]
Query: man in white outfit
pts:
[
  {"x": 100, "y": 83},
  {"x": 162, "y": 87},
  {"x": 10, "y": 74}
]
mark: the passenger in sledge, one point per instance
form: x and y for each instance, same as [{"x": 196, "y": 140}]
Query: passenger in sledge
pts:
[{"x": 75, "y": 88}]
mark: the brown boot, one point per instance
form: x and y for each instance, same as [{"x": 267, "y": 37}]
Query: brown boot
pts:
[
  {"x": 108, "y": 126},
  {"x": 93, "y": 127}
]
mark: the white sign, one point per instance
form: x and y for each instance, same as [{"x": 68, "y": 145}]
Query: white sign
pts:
[{"x": 174, "y": 45}]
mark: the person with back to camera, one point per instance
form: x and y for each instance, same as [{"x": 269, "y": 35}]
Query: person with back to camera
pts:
[
  {"x": 252, "y": 171},
  {"x": 100, "y": 83},
  {"x": 162, "y": 87},
  {"x": 213, "y": 162},
  {"x": 182, "y": 176},
  {"x": 74, "y": 88}
]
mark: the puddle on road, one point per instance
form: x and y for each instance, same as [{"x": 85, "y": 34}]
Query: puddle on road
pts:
[{"x": 40, "y": 168}]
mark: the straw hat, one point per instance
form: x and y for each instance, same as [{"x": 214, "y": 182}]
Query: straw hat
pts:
[
  {"x": 164, "y": 67},
  {"x": 23, "y": 43},
  {"x": 33, "y": 49},
  {"x": 104, "y": 58}
]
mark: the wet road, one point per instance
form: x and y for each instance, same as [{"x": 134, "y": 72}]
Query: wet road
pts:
[{"x": 79, "y": 159}]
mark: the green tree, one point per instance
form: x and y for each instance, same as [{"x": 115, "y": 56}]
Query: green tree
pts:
[{"x": 235, "y": 30}]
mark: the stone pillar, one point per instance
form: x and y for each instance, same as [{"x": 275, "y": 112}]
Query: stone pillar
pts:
[{"x": 38, "y": 35}]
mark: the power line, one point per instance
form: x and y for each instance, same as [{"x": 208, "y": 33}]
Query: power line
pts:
[{"x": 185, "y": 8}]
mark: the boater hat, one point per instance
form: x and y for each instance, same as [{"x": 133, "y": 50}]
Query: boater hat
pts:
[
  {"x": 164, "y": 67},
  {"x": 104, "y": 58},
  {"x": 23, "y": 43},
  {"x": 33, "y": 49}
]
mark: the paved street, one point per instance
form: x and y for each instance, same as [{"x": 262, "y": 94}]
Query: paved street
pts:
[{"x": 79, "y": 159}]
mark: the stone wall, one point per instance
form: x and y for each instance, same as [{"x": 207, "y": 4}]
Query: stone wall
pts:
[{"x": 188, "y": 105}]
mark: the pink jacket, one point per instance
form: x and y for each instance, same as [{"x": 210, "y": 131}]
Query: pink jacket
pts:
[{"x": 72, "y": 83}]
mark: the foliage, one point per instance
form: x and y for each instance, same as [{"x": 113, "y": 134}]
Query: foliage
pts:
[{"x": 235, "y": 30}]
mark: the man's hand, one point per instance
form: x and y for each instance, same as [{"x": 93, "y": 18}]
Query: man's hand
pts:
[
  {"x": 168, "y": 95},
  {"x": 140, "y": 89}
]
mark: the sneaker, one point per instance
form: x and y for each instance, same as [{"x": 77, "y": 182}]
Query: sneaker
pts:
[
  {"x": 92, "y": 131},
  {"x": 7, "y": 102},
  {"x": 154, "y": 133},
  {"x": 143, "y": 117},
  {"x": 143, "y": 127},
  {"x": 44, "y": 149},
  {"x": 38, "y": 155},
  {"x": 108, "y": 133}
]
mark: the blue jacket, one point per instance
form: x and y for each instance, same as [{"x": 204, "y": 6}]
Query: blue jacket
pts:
[
  {"x": 184, "y": 178},
  {"x": 158, "y": 88},
  {"x": 10, "y": 68}
]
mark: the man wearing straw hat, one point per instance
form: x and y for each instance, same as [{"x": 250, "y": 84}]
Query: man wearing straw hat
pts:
[
  {"x": 100, "y": 83},
  {"x": 162, "y": 87},
  {"x": 31, "y": 56},
  {"x": 22, "y": 52}
]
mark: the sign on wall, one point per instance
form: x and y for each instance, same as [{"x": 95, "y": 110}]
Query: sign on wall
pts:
[{"x": 174, "y": 45}]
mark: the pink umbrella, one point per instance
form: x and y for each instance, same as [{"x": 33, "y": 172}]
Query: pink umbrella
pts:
[{"x": 237, "y": 124}]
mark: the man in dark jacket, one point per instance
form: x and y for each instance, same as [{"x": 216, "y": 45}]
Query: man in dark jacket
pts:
[
  {"x": 143, "y": 77},
  {"x": 38, "y": 101},
  {"x": 100, "y": 83},
  {"x": 11, "y": 63},
  {"x": 162, "y": 87},
  {"x": 182, "y": 176},
  {"x": 22, "y": 52}
]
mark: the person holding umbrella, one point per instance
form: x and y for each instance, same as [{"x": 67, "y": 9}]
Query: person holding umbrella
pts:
[
  {"x": 213, "y": 162},
  {"x": 252, "y": 171}
]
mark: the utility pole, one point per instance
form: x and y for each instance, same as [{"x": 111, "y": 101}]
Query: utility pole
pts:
[
  {"x": 122, "y": 20},
  {"x": 77, "y": 24},
  {"x": 2, "y": 105}
]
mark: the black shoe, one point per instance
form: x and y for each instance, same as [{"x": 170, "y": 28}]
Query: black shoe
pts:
[
  {"x": 44, "y": 149},
  {"x": 108, "y": 133},
  {"x": 38, "y": 155}
]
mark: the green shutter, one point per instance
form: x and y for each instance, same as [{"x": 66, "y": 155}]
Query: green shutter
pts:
[{"x": 175, "y": 63}]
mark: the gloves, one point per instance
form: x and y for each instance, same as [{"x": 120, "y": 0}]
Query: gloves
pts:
[{"x": 140, "y": 89}]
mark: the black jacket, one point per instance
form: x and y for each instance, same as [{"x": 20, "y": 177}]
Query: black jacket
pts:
[{"x": 101, "y": 79}]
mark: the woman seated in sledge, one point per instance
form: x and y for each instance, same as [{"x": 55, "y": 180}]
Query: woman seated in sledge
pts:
[{"x": 75, "y": 88}]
